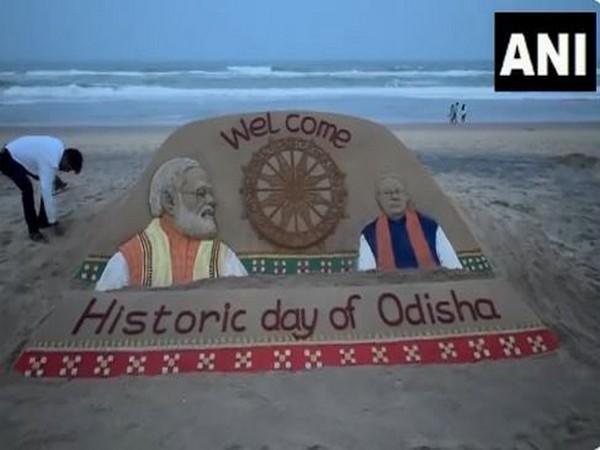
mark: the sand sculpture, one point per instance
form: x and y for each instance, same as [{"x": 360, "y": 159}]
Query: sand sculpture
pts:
[
  {"x": 401, "y": 237},
  {"x": 293, "y": 193},
  {"x": 179, "y": 245}
]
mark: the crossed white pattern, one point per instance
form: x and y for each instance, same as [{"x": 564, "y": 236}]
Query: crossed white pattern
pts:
[
  {"x": 258, "y": 266},
  {"x": 347, "y": 356},
  {"x": 36, "y": 366},
  {"x": 480, "y": 351},
  {"x": 206, "y": 362},
  {"x": 135, "y": 365},
  {"x": 448, "y": 350},
  {"x": 412, "y": 353},
  {"x": 347, "y": 265},
  {"x": 303, "y": 266},
  {"x": 537, "y": 344},
  {"x": 70, "y": 366},
  {"x": 103, "y": 366},
  {"x": 326, "y": 266},
  {"x": 277, "y": 269},
  {"x": 509, "y": 346},
  {"x": 171, "y": 363},
  {"x": 313, "y": 359},
  {"x": 243, "y": 360},
  {"x": 282, "y": 359},
  {"x": 380, "y": 355}
]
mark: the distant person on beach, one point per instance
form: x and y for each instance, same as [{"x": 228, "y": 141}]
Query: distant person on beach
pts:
[
  {"x": 38, "y": 157},
  {"x": 463, "y": 113},
  {"x": 402, "y": 237},
  {"x": 452, "y": 114}
]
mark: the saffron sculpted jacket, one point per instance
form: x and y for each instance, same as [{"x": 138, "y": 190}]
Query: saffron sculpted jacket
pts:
[
  {"x": 402, "y": 245},
  {"x": 161, "y": 256}
]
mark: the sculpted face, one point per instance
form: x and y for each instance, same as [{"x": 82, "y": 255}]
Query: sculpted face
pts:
[
  {"x": 194, "y": 208},
  {"x": 392, "y": 197}
]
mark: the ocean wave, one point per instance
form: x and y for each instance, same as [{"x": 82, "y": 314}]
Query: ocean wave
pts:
[
  {"x": 79, "y": 93},
  {"x": 111, "y": 73},
  {"x": 76, "y": 72},
  {"x": 401, "y": 71},
  {"x": 254, "y": 72},
  {"x": 251, "y": 70}
]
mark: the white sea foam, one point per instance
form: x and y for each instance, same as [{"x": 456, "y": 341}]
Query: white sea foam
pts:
[
  {"x": 77, "y": 93},
  {"x": 253, "y": 72},
  {"x": 250, "y": 70},
  {"x": 108, "y": 73},
  {"x": 256, "y": 72}
]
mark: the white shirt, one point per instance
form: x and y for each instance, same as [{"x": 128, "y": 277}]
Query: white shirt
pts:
[
  {"x": 40, "y": 155},
  {"x": 443, "y": 249},
  {"x": 116, "y": 272}
]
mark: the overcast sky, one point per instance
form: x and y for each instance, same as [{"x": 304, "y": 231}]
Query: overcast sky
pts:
[{"x": 259, "y": 30}]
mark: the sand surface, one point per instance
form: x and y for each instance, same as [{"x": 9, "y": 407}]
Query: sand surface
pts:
[{"x": 531, "y": 194}]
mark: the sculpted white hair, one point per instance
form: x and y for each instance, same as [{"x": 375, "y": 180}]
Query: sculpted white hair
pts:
[
  {"x": 388, "y": 176},
  {"x": 168, "y": 178}
]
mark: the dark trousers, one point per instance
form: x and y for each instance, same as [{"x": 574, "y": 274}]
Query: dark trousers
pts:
[{"x": 16, "y": 172}]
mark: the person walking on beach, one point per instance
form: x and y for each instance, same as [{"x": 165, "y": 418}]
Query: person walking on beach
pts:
[
  {"x": 463, "y": 113},
  {"x": 453, "y": 113},
  {"x": 38, "y": 157}
]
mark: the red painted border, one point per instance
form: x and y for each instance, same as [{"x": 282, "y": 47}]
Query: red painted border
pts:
[{"x": 297, "y": 356}]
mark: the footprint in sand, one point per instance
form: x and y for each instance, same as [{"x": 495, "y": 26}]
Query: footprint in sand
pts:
[
  {"x": 523, "y": 442},
  {"x": 6, "y": 237}
]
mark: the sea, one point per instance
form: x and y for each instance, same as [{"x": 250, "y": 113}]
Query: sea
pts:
[{"x": 173, "y": 93}]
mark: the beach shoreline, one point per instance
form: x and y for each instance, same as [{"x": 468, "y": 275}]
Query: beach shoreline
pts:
[{"x": 420, "y": 136}]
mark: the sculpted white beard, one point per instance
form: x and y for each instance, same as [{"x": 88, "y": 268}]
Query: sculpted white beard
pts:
[{"x": 194, "y": 225}]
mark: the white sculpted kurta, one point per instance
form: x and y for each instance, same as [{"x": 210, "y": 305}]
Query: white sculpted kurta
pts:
[{"x": 162, "y": 256}]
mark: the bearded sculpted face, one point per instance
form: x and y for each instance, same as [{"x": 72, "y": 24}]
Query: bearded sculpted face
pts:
[
  {"x": 193, "y": 209},
  {"x": 181, "y": 190}
]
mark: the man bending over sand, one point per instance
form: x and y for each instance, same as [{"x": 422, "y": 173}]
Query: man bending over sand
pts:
[
  {"x": 401, "y": 237},
  {"x": 179, "y": 245},
  {"x": 39, "y": 157}
]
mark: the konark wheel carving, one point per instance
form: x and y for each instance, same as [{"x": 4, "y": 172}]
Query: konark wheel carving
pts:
[{"x": 294, "y": 193}]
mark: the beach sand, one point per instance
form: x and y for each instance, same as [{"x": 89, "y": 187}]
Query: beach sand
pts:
[{"x": 530, "y": 194}]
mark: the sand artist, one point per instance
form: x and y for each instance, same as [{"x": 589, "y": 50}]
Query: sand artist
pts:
[
  {"x": 38, "y": 157},
  {"x": 401, "y": 237},
  {"x": 179, "y": 245}
]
